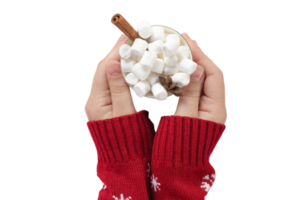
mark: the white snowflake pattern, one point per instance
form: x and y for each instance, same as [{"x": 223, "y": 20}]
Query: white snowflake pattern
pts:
[
  {"x": 215, "y": 176},
  {"x": 121, "y": 198},
  {"x": 205, "y": 182},
  {"x": 206, "y": 186},
  {"x": 149, "y": 170},
  {"x": 154, "y": 184}
]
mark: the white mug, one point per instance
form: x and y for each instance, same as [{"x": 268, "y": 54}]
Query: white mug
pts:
[{"x": 168, "y": 30}]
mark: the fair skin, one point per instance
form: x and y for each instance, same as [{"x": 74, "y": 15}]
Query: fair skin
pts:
[
  {"x": 203, "y": 98},
  {"x": 110, "y": 96},
  {"x": 210, "y": 95}
]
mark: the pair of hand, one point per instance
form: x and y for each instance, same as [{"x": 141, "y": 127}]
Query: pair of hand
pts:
[{"x": 203, "y": 98}]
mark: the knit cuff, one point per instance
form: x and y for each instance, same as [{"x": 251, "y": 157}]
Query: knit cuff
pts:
[
  {"x": 185, "y": 141},
  {"x": 123, "y": 139}
]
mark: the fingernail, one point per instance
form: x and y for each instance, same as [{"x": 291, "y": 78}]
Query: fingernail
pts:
[
  {"x": 114, "y": 69},
  {"x": 124, "y": 37},
  {"x": 198, "y": 74}
]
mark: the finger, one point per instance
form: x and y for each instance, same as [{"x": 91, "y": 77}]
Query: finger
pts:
[
  {"x": 188, "y": 104},
  {"x": 119, "y": 90},
  {"x": 214, "y": 82},
  {"x": 200, "y": 58},
  {"x": 100, "y": 84}
]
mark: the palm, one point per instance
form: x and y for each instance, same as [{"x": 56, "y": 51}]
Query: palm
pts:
[
  {"x": 212, "y": 98},
  {"x": 102, "y": 106},
  {"x": 209, "y": 107},
  {"x": 106, "y": 100},
  {"x": 210, "y": 102}
]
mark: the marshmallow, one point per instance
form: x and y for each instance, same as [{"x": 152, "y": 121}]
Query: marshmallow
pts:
[
  {"x": 166, "y": 35},
  {"x": 148, "y": 59},
  {"x": 158, "y": 66},
  {"x": 158, "y": 33},
  {"x": 140, "y": 71},
  {"x": 125, "y": 51},
  {"x": 127, "y": 64},
  {"x": 159, "y": 92},
  {"x": 153, "y": 78},
  {"x": 156, "y": 46},
  {"x": 182, "y": 52},
  {"x": 175, "y": 37},
  {"x": 188, "y": 66},
  {"x": 139, "y": 47},
  {"x": 170, "y": 70},
  {"x": 170, "y": 47},
  {"x": 144, "y": 29},
  {"x": 143, "y": 67},
  {"x": 131, "y": 79},
  {"x": 135, "y": 57},
  {"x": 161, "y": 55},
  {"x": 171, "y": 61},
  {"x": 181, "y": 78},
  {"x": 142, "y": 88}
]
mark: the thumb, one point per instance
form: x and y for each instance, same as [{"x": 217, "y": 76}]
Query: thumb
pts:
[
  {"x": 120, "y": 94},
  {"x": 188, "y": 104}
]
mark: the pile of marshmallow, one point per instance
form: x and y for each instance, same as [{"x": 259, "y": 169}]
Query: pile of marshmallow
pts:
[{"x": 160, "y": 54}]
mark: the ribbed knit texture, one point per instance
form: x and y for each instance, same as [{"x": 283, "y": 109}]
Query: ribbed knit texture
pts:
[
  {"x": 124, "y": 146},
  {"x": 180, "y": 158}
]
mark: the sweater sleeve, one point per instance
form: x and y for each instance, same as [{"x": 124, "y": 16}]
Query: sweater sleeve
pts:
[
  {"x": 180, "y": 158},
  {"x": 124, "y": 146}
]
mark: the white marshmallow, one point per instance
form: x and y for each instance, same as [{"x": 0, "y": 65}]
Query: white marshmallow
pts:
[
  {"x": 188, "y": 66},
  {"x": 161, "y": 55},
  {"x": 148, "y": 59},
  {"x": 171, "y": 61},
  {"x": 138, "y": 58},
  {"x": 144, "y": 29},
  {"x": 175, "y": 37},
  {"x": 182, "y": 52},
  {"x": 181, "y": 78},
  {"x": 158, "y": 33},
  {"x": 156, "y": 46},
  {"x": 135, "y": 57},
  {"x": 125, "y": 51},
  {"x": 170, "y": 47},
  {"x": 158, "y": 66},
  {"x": 131, "y": 79},
  {"x": 139, "y": 47},
  {"x": 170, "y": 70},
  {"x": 127, "y": 65},
  {"x": 159, "y": 92},
  {"x": 166, "y": 35},
  {"x": 140, "y": 71},
  {"x": 142, "y": 88},
  {"x": 153, "y": 78}
]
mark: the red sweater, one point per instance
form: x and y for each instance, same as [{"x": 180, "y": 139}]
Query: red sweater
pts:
[{"x": 173, "y": 167}]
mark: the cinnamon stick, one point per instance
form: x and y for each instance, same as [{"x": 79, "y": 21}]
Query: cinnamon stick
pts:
[{"x": 124, "y": 26}]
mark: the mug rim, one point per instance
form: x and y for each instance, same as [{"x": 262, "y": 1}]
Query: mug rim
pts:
[
  {"x": 180, "y": 36},
  {"x": 191, "y": 57}
]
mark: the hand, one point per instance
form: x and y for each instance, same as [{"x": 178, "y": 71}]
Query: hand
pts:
[
  {"x": 204, "y": 97},
  {"x": 110, "y": 95}
]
